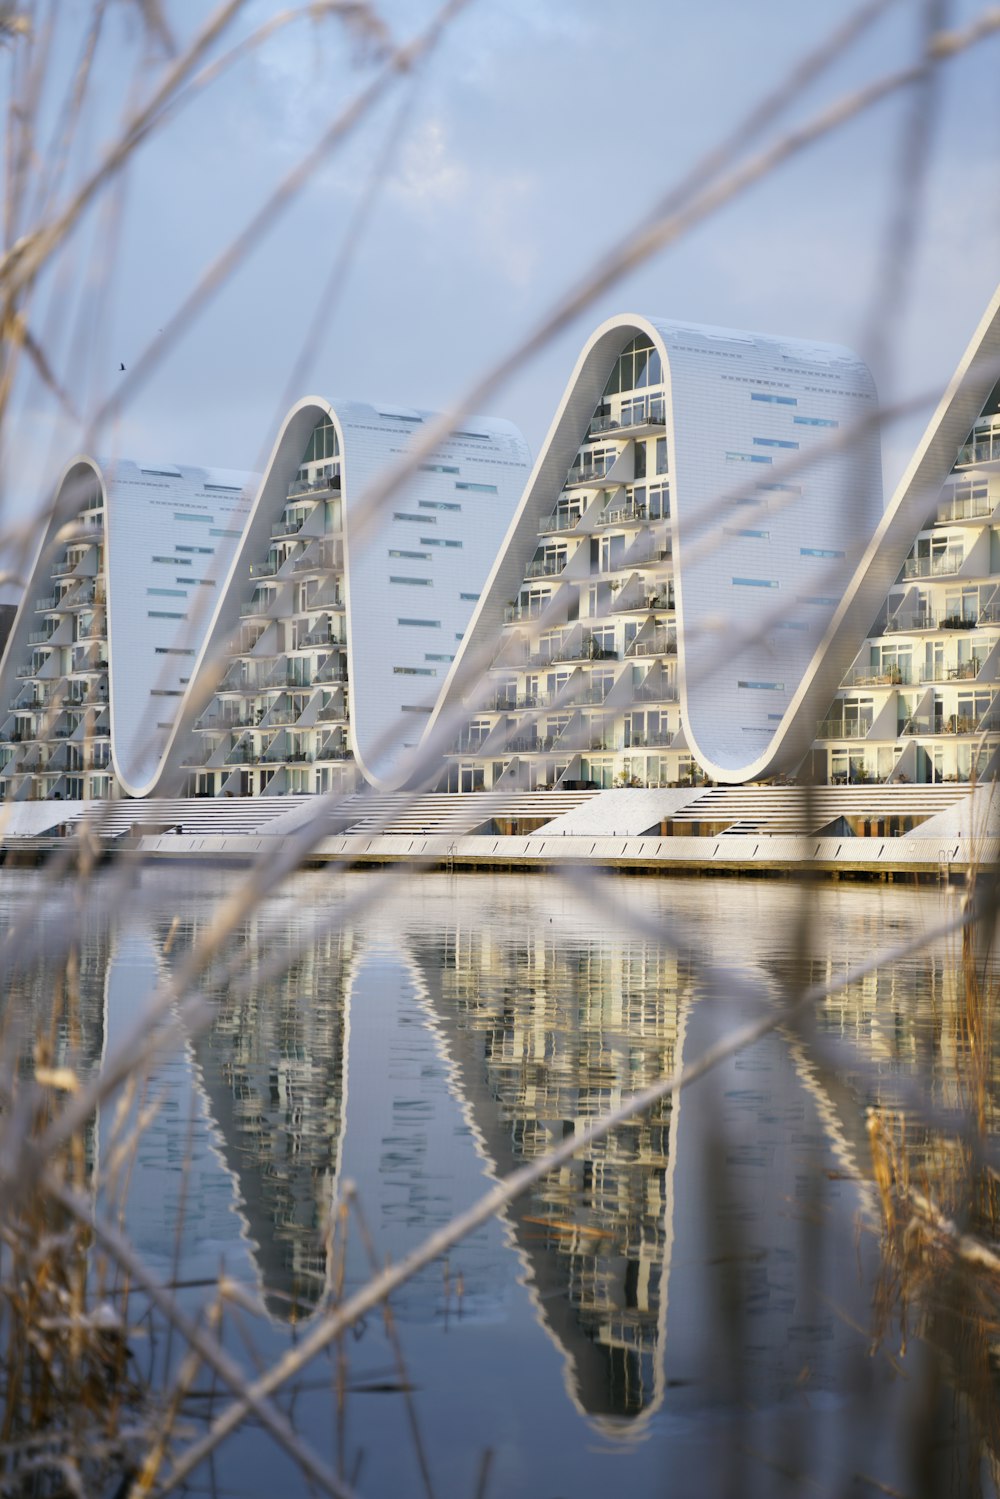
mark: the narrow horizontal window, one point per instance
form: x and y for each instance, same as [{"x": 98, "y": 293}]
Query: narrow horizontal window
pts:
[
  {"x": 478, "y": 488},
  {"x": 162, "y": 473},
  {"x": 412, "y": 582},
  {"x": 755, "y": 583},
  {"x": 817, "y": 598},
  {"x": 484, "y": 436},
  {"x": 742, "y": 531},
  {"x": 438, "y": 468},
  {"x": 414, "y": 708},
  {"x": 185, "y": 515},
  {"x": 435, "y": 656},
  {"x": 438, "y": 541},
  {"x": 208, "y": 551},
  {"x": 421, "y": 520},
  {"x": 165, "y": 692},
  {"x": 174, "y": 650},
  {"x": 224, "y": 488},
  {"x": 759, "y": 395},
  {"x": 203, "y": 582},
  {"x": 414, "y": 556},
  {"x": 175, "y": 561},
  {"x": 819, "y": 552},
  {"x": 773, "y": 442},
  {"x": 763, "y": 686},
  {"x": 420, "y": 624},
  {"x": 168, "y": 593},
  {"x": 217, "y": 531},
  {"x": 413, "y": 671},
  {"x": 775, "y": 717},
  {"x": 814, "y": 421},
  {"x": 470, "y": 598},
  {"x": 438, "y": 505},
  {"x": 162, "y": 614},
  {"x": 459, "y": 634},
  {"x": 747, "y": 458},
  {"x": 781, "y": 488}
]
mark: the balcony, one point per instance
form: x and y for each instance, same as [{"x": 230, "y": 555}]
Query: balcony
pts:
[
  {"x": 546, "y": 567},
  {"x": 844, "y": 728},
  {"x": 964, "y": 509},
  {"x": 636, "y": 413},
  {"x": 593, "y": 476},
  {"x": 934, "y": 567},
  {"x": 661, "y": 644},
  {"x": 984, "y": 447},
  {"x": 560, "y": 520},
  {"x": 907, "y": 622},
  {"x": 964, "y": 671},
  {"x": 893, "y": 676},
  {"x": 655, "y": 692},
  {"x": 621, "y": 514},
  {"x": 327, "y": 674},
  {"x": 265, "y": 569}
]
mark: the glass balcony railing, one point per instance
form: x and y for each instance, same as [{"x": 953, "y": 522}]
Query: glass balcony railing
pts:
[
  {"x": 560, "y": 520},
  {"x": 844, "y": 728},
  {"x": 644, "y": 412},
  {"x": 934, "y": 567}
]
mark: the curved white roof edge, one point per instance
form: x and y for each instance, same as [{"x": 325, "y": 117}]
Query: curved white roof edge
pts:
[
  {"x": 914, "y": 498},
  {"x": 583, "y": 393},
  {"x": 360, "y": 458}
]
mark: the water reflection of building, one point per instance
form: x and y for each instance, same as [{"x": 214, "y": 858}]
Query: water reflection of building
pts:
[
  {"x": 273, "y": 1068},
  {"x": 546, "y": 1035}
]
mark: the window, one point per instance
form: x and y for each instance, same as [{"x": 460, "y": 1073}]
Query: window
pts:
[
  {"x": 814, "y": 421},
  {"x": 478, "y": 488},
  {"x": 438, "y": 541},
  {"x": 438, "y": 468},
  {"x": 759, "y": 395},
  {"x": 165, "y": 692},
  {"x": 764, "y": 686},
  {"x": 413, "y": 582},
  {"x": 742, "y": 531},
  {"x": 215, "y": 531},
  {"x": 422, "y": 520},
  {"x": 184, "y": 515},
  {"x": 438, "y": 505},
  {"x": 208, "y": 551},
  {"x": 162, "y": 614},
  {"x": 747, "y": 458},
  {"x": 174, "y": 561},
  {"x": 755, "y": 583},
  {"x": 414, "y": 671},
  {"x": 170, "y": 593},
  {"x": 435, "y": 656},
  {"x": 425, "y": 624},
  {"x": 773, "y": 442},
  {"x": 414, "y": 556},
  {"x": 225, "y": 488},
  {"x": 198, "y": 582},
  {"x": 471, "y": 598},
  {"x": 661, "y": 455},
  {"x": 174, "y": 650}
]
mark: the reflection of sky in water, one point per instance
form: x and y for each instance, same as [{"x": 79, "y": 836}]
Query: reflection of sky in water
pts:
[{"x": 673, "y": 1272}]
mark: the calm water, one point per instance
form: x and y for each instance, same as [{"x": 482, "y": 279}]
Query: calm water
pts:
[{"x": 687, "y": 1309}]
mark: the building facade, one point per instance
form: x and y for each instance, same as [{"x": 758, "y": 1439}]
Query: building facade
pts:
[
  {"x": 702, "y": 501},
  {"x": 343, "y": 611},
  {"x": 131, "y": 558},
  {"x": 920, "y": 700}
]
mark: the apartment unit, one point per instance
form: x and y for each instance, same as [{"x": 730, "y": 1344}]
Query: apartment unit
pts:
[
  {"x": 346, "y": 603},
  {"x": 702, "y": 500},
  {"x": 921, "y": 700},
  {"x": 131, "y": 559}
]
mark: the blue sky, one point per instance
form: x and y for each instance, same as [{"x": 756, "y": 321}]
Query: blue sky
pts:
[{"x": 536, "y": 136}]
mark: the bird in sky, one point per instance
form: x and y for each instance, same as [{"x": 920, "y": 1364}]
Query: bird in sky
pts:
[{"x": 121, "y": 366}]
